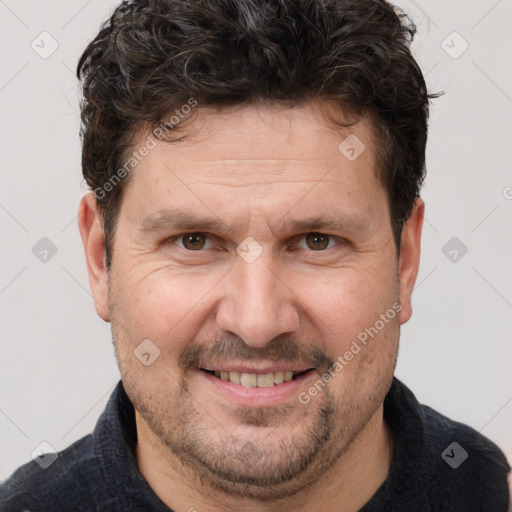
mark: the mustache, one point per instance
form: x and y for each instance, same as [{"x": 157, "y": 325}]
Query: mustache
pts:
[{"x": 283, "y": 349}]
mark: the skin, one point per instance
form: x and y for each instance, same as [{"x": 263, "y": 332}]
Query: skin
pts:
[{"x": 251, "y": 168}]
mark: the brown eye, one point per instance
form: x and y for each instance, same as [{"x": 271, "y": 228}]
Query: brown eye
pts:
[
  {"x": 317, "y": 241},
  {"x": 193, "y": 241}
]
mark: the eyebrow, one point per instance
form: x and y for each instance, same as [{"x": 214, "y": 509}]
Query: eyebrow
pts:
[
  {"x": 170, "y": 219},
  {"x": 345, "y": 222}
]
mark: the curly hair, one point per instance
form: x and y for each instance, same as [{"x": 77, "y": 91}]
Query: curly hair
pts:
[{"x": 154, "y": 56}]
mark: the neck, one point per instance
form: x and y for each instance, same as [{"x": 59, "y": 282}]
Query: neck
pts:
[{"x": 353, "y": 480}]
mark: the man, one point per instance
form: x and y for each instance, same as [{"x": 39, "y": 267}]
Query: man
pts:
[{"x": 253, "y": 236}]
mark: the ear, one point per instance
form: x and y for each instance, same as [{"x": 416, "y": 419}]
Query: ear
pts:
[
  {"x": 91, "y": 231},
  {"x": 409, "y": 261}
]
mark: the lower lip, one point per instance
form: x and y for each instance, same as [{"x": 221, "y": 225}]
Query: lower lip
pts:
[{"x": 257, "y": 397}]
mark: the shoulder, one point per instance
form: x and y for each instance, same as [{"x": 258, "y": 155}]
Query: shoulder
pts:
[
  {"x": 441, "y": 464},
  {"x": 63, "y": 485},
  {"x": 463, "y": 462}
]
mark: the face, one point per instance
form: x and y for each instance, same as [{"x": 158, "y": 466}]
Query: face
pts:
[{"x": 249, "y": 250}]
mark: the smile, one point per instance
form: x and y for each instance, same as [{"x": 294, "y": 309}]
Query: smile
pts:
[{"x": 255, "y": 380}]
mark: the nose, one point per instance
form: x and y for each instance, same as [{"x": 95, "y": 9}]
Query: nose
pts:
[{"x": 256, "y": 303}]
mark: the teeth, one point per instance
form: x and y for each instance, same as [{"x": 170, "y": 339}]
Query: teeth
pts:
[
  {"x": 249, "y": 380},
  {"x": 234, "y": 377},
  {"x": 266, "y": 381},
  {"x": 253, "y": 380},
  {"x": 278, "y": 377}
]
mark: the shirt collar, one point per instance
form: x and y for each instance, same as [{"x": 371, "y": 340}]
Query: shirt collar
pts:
[
  {"x": 114, "y": 441},
  {"x": 404, "y": 484}
]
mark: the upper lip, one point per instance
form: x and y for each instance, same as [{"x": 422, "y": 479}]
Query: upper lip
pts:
[{"x": 253, "y": 368}]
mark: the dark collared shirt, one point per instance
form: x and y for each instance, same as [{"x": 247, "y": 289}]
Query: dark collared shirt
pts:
[{"x": 438, "y": 465}]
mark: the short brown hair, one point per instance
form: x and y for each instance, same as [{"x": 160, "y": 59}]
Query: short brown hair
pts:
[{"x": 152, "y": 56}]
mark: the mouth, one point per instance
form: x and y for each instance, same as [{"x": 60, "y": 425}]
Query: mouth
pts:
[{"x": 257, "y": 380}]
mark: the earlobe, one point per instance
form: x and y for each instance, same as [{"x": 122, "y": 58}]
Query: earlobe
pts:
[
  {"x": 410, "y": 258},
  {"x": 89, "y": 223}
]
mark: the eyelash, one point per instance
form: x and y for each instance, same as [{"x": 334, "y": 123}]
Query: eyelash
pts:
[{"x": 177, "y": 238}]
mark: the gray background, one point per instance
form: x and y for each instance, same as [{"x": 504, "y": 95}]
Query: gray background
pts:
[{"x": 57, "y": 364}]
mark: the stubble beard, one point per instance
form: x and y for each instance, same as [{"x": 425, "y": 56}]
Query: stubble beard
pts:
[{"x": 264, "y": 467}]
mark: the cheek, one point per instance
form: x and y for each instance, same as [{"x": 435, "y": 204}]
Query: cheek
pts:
[
  {"x": 163, "y": 307},
  {"x": 360, "y": 331},
  {"x": 347, "y": 304}
]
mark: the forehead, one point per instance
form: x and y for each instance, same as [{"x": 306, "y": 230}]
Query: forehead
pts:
[{"x": 254, "y": 155}]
